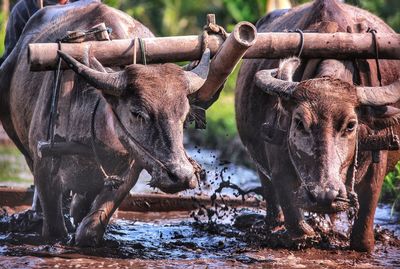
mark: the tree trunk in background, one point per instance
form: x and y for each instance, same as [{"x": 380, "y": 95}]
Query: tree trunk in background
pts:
[{"x": 278, "y": 4}]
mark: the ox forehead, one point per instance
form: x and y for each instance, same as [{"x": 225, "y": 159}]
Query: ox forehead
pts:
[
  {"x": 159, "y": 87},
  {"x": 325, "y": 100},
  {"x": 326, "y": 90}
]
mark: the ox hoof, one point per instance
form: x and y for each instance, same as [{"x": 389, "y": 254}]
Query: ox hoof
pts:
[
  {"x": 90, "y": 232},
  {"x": 54, "y": 235},
  {"x": 301, "y": 230},
  {"x": 365, "y": 244},
  {"x": 274, "y": 221}
]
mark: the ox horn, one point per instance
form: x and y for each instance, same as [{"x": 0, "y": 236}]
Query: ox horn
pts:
[
  {"x": 198, "y": 75},
  {"x": 266, "y": 81},
  {"x": 379, "y": 96},
  {"x": 110, "y": 83}
]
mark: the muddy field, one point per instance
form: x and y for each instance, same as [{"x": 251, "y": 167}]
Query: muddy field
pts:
[
  {"x": 176, "y": 240},
  {"x": 209, "y": 237}
]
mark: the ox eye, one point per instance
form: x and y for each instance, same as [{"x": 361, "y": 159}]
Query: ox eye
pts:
[
  {"x": 138, "y": 114},
  {"x": 351, "y": 126},
  {"x": 299, "y": 125}
]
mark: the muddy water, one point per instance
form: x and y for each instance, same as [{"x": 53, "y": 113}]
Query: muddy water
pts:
[{"x": 174, "y": 240}]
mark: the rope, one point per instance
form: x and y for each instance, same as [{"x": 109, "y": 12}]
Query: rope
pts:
[
  {"x": 68, "y": 37},
  {"x": 134, "y": 50},
  {"x": 376, "y": 154},
  {"x": 137, "y": 143},
  {"x": 142, "y": 50},
  {"x": 215, "y": 29},
  {"x": 54, "y": 100},
  {"x": 376, "y": 46},
  {"x": 211, "y": 28},
  {"x": 353, "y": 197},
  {"x": 301, "y": 43},
  {"x": 110, "y": 181}
]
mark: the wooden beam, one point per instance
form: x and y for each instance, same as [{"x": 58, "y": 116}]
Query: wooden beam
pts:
[
  {"x": 144, "y": 202},
  {"x": 43, "y": 56}
]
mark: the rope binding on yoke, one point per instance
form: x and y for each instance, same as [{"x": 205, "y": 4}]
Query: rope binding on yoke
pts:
[
  {"x": 198, "y": 110},
  {"x": 142, "y": 46}
]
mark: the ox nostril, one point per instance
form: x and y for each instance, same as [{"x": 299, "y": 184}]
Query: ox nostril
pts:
[
  {"x": 311, "y": 196},
  {"x": 330, "y": 195},
  {"x": 172, "y": 176}
]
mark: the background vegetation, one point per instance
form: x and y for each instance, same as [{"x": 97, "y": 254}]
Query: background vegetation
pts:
[{"x": 180, "y": 17}]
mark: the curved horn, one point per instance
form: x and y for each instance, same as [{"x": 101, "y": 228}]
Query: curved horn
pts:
[
  {"x": 198, "y": 76},
  {"x": 264, "y": 80},
  {"x": 379, "y": 96},
  {"x": 109, "y": 83}
]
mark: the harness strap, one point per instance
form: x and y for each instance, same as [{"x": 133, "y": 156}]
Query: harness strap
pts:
[
  {"x": 143, "y": 50},
  {"x": 134, "y": 50},
  {"x": 376, "y": 154},
  {"x": 142, "y": 45},
  {"x": 54, "y": 100},
  {"x": 114, "y": 181},
  {"x": 111, "y": 181},
  {"x": 376, "y": 46},
  {"x": 301, "y": 42},
  {"x": 133, "y": 139}
]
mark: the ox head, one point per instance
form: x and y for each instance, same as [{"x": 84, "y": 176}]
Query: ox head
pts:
[
  {"x": 151, "y": 104},
  {"x": 324, "y": 117}
]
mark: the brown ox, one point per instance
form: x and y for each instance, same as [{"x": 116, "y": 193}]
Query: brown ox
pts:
[
  {"x": 322, "y": 114},
  {"x": 138, "y": 123}
]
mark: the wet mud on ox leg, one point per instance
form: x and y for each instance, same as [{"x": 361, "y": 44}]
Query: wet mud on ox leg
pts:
[
  {"x": 274, "y": 212},
  {"x": 91, "y": 230},
  {"x": 294, "y": 219},
  {"x": 285, "y": 183},
  {"x": 49, "y": 189},
  {"x": 80, "y": 206},
  {"x": 369, "y": 189}
]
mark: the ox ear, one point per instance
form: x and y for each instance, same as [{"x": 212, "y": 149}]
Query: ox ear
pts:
[
  {"x": 380, "y": 117},
  {"x": 109, "y": 83},
  {"x": 287, "y": 68}
]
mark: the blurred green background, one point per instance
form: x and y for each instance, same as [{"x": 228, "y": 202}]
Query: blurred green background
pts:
[{"x": 181, "y": 17}]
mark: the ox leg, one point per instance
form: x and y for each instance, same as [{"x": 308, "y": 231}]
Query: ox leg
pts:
[
  {"x": 91, "y": 230},
  {"x": 274, "y": 212},
  {"x": 294, "y": 217},
  {"x": 49, "y": 189},
  {"x": 80, "y": 206},
  {"x": 36, "y": 202},
  {"x": 369, "y": 189}
]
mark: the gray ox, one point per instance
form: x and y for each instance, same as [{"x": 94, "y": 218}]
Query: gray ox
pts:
[
  {"x": 321, "y": 114},
  {"x": 138, "y": 123}
]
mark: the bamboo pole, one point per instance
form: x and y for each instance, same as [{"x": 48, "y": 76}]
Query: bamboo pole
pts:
[
  {"x": 43, "y": 56},
  {"x": 142, "y": 202},
  {"x": 231, "y": 52}
]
